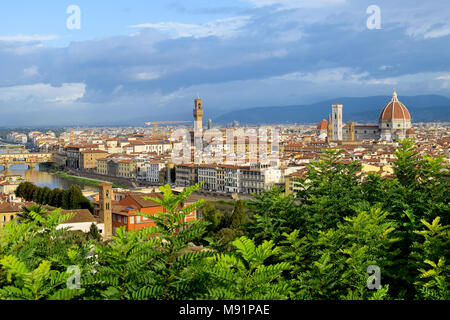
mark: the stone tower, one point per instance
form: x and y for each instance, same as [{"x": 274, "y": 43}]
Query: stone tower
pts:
[
  {"x": 198, "y": 115},
  {"x": 329, "y": 130},
  {"x": 350, "y": 131},
  {"x": 337, "y": 122},
  {"x": 105, "y": 190}
]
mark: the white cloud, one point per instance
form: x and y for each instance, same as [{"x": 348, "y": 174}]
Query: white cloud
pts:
[
  {"x": 31, "y": 71},
  {"x": 223, "y": 28},
  {"x": 428, "y": 32},
  {"x": 445, "y": 77},
  {"x": 292, "y": 4},
  {"x": 42, "y": 92},
  {"x": 28, "y": 38},
  {"x": 325, "y": 75},
  {"x": 146, "y": 76}
]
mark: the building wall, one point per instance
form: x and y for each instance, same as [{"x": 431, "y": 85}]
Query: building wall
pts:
[
  {"x": 5, "y": 217},
  {"x": 81, "y": 226}
]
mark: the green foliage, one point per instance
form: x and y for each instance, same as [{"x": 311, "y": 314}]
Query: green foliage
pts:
[
  {"x": 93, "y": 233},
  {"x": 432, "y": 252},
  {"x": 273, "y": 214},
  {"x": 123, "y": 270},
  {"x": 331, "y": 189},
  {"x": 37, "y": 284},
  {"x": 71, "y": 198},
  {"x": 243, "y": 275},
  {"x": 26, "y": 216},
  {"x": 238, "y": 219},
  {"x": 156, "y": 262},
  {"x": 35, "y": 256},
  {"x": 333, "y": 265},
  {"x": 176, "y": 259},
  {"x": 317, "y": 245},
  {"x": 211, "y": 215}
]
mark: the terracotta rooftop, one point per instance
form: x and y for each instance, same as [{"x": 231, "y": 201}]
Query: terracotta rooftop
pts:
[{"x": 81, "y": 215}]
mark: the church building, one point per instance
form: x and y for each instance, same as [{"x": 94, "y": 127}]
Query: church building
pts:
[{"x": 394, "y": 123}]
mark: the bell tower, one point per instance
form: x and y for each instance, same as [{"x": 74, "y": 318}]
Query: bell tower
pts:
[
  {"x": 337, "y": 122},
  {"x": 106, "y": 209},
  {"x": 198, "y": 115}
]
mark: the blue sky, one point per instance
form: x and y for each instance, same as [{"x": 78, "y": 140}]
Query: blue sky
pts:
[{"x": 147, "y": 60}]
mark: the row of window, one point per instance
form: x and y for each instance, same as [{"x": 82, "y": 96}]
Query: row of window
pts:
[
  {"x": 132, "y": 220},
  {"x": 10, "y": 218}
]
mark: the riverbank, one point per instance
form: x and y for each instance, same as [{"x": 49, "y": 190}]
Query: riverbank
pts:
[{"x": 86, "y": 181}]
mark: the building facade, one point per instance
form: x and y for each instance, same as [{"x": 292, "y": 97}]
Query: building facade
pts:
[{"x": 394, "y": 123}]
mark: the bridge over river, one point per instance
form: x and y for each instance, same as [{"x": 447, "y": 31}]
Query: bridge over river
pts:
[{"x": 30, "y": 159}]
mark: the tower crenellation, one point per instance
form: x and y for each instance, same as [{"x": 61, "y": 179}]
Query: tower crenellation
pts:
[{"x": 198, "y": 114}]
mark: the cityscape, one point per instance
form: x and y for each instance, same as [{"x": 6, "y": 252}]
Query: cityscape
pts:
[{"x": 313, "y": 184}]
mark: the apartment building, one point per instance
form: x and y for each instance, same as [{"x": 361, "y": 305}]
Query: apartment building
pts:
[
  {"x": 207, "y": 174},
  {"x": 154, "y": 169},
  {"x": 186, "y": 175},
  {"x": 89, "y": 159}
]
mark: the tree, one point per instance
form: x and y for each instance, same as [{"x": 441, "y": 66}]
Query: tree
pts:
[
  {"x": 273, "y": 213},
  {"x": 177, "y": 259},
  {"x": 211, "y": 215},
  {"x": 334, "y": 265},
  {"x": 157, "y": 262},
  {"x": 40, "y": 283},
  {"x": 26, "y": 215},
  {"x": 46, "y": 195},
  {"x": 124, "y": 269},
  {"x": 35, "y": 258},
  {"x": 330, "y": 191},
  {"x": 93, "y": 233},
  {"x": 74, "y": 197},
  {"x": 238, "y": 219},
  {"x": 244, "y": 276},
  {"x": 432, "y": 252}
]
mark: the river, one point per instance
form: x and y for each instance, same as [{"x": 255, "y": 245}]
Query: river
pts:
[
  {"x": 42, "y": 178},
  {"x": 45, "y": 179}
]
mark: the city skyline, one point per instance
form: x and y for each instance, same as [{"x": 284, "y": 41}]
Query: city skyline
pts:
[{"x": 151, "y": 59}]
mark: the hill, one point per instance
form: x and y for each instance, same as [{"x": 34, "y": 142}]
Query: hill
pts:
[{"x": 363, "y": 109}]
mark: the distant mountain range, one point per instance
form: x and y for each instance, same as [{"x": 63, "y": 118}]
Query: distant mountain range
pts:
[{"x": 423, "y": 108}]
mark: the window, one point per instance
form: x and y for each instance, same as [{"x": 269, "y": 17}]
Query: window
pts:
[
  {"x": 138, "y": 219},
  {"x": 132, "y": 220}
]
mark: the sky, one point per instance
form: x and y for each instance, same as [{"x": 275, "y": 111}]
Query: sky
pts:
[{"x": 110, "y": 62}]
